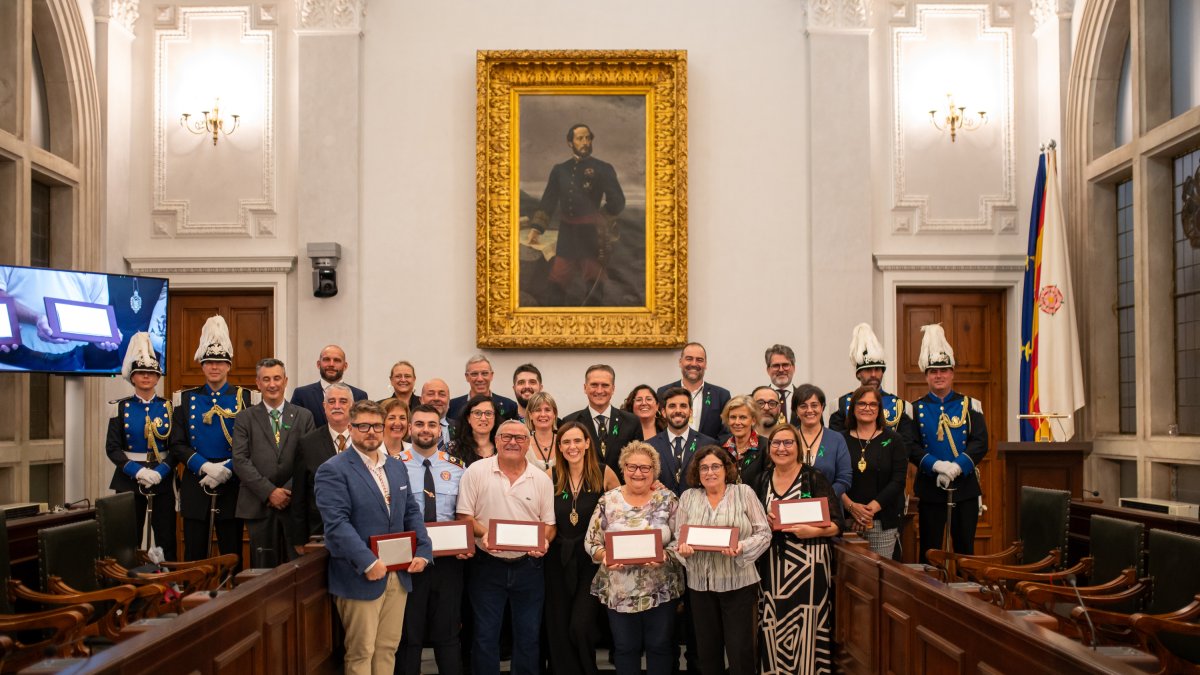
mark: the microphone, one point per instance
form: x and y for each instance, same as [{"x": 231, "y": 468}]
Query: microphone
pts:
[
  {"x": 1072, "y": 581},
  {"x": 1091, "y": 493}
]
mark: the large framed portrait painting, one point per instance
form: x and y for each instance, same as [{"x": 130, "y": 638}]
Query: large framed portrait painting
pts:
[{"x": 582, "y": 199}]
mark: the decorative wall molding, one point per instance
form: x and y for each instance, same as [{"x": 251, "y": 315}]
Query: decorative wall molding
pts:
[
  {"x": 1043, "y": 11},
  {"x": 971, "y": 262},
  {"x": 331, "y": 16},
  {"x": 171, "y": 217},
  {"x": 212, "y": 265},
  {"x": 910, "y": 210},
  {"x": 838, "y": 15},
  {"x": 124, "y": 13}
]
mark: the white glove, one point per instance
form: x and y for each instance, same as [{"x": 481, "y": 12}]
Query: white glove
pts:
[
  {"x": 955, "y": 471},
  {"x": 217, "y": 471},
  {"x": 943, "y": 481},
  {"x": 147, "y": 477},
  {"x": 212, "y": 483},
  {"x": 943, "y": 467}
]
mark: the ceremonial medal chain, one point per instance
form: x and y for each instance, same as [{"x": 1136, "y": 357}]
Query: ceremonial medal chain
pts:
[
  {"x": 574, "y": 517},
  {"x": 862, "y": 451},
  {"x": 545, "y": 455}
]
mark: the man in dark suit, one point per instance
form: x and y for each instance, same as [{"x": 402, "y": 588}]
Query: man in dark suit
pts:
[
  {"x": 362, "y": 493},
  {"x": 781, "y": 368},
  {"x": 708, "y": 400},
  {"x": 265, "y": 439},
  {"x": 314, "y": 450},
  {"x": 331, "y": 365},
  {"x": 677, "y": 444},
  {"x": 479, "y": 376},
  {"x": 611, "y": 428}
]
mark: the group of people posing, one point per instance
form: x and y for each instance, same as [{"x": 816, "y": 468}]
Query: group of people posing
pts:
[{"x": 684, "y": 454}]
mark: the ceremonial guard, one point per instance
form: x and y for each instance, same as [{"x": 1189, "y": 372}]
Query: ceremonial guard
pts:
[
  {"x": 202, "y": 442},
  {"x": 953, "y": 440},
  {"x": 434, "y": 605},
  {"x": 866, "y": 353},
  {"x": 137, "y": 443}
]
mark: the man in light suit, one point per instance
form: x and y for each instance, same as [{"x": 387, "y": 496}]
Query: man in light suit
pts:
[
  {"x": 331, "y": 365},
  {"x": 708, "y": 400},
  {"x": 265, "y": 438},
  {"x": 363, "y": 493},
  {"x": 678, "y": 443},
  {"x": 610, "y": 427},
  {"x": 314, "y": 450}
]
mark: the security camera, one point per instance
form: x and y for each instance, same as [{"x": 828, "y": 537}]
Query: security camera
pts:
[{"x": 325, "y": 256}]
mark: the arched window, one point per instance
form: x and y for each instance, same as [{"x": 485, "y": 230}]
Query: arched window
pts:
[
  {"x": 1133, "y": 144},
  {"x": 49, "y": 211}
]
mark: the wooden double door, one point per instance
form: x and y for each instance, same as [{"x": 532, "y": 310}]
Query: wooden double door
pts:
[
  {"x": 251, "y": 319},
  {"x": 975, "y": 324}
]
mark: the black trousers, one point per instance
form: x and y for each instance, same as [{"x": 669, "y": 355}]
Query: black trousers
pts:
[
  {"x": 196, "y": 542},
  {"x": 433, "y": 616},
  {"x": 162, "y": 521},
  {"x": 931, "y": 520},
  {"x": 726, "y": 623},
  {"x": 270, "y": 540},
  {"x": 570, "y": 618}
]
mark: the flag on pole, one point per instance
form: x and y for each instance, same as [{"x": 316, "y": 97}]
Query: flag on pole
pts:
[{"x": 1051, "y": 374}]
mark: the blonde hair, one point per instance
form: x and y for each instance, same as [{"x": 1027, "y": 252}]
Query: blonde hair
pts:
[
  {"x": 741, "y": 401},
  {"x": 644, "y": 448},
  {"x": 536, "y": 401}
]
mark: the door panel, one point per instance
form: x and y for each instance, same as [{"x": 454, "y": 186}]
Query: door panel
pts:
[
  {"x": 975, "y": 326},
  {"x": 251, "y": 321}
]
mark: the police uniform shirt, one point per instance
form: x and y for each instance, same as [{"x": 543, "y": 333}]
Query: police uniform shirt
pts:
[{"x": 447, "y": 472}]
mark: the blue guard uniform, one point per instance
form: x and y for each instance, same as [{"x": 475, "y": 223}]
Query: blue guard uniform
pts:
[
  {"x": 434, "y": 608},
  {"x": 204, "y": 433},
  {"x": 952, "y": 430},
  {"x": 137, "y": 439}
]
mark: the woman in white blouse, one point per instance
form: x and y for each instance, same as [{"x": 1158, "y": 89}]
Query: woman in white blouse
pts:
[{"x": 723, "y": 585}]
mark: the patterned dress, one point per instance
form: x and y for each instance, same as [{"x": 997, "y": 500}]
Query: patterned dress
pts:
[{"x": 797, "y": 589}]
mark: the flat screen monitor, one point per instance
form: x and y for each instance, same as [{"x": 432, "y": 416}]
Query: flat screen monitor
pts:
[{"x": 76, "y": 323}]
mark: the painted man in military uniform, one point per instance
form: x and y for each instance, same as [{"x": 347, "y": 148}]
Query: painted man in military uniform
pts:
[
  {"x": 137, "y": 444},
  {"x": 588, "y": 197},
  {"x": 953, "y": 440},
  {"x": 435, "y": 603},
  {"x": 202, "y": 441}
]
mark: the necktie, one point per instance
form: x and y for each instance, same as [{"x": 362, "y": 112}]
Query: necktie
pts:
[
  {"x": 341, "y": 443},
  {"x": 678, "y": 458},
  {"x": 430, "y": 495},
  {"x": 782, "y": 404},
  {"x": 275, "y": 415},
  {"x": 602, "y": 432}
]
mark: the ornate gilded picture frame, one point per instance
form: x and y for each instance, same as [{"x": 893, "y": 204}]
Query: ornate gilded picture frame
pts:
[{"x": 581, "y": 232}]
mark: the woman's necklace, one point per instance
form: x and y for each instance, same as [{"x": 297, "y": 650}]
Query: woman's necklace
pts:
[
  {"x": 862, "y": 450},
  {"x": 808, "y": 455},
  {"x": 544, "y": 454},
  {"x": 574, "y": 517}
]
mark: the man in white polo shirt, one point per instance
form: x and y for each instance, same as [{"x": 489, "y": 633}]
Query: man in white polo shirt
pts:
[{"x": 506, "y": 487}]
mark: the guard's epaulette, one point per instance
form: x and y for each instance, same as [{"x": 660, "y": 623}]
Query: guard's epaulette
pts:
[
  {"x": 255, "y": 395},
  {"x": 116, "y": 404},
  {"x": 976, "y": 405},
  {"x": 908, "y": 409},
  {"x": 177, "y": 397},
  {"x": 450, "y": 458}
]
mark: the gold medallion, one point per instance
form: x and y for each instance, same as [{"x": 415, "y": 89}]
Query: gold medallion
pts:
[
  {"x": 574, "y": 517},
  {"x": 862, "y": 464}
]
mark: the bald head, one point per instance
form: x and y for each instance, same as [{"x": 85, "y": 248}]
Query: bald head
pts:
[
  {"x": 332, "y": 363},
  {"x": 437, "y": 394}
]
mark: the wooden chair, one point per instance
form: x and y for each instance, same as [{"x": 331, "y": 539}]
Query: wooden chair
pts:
[
  {"x": 1043, "y": 530},
  {"x": 27, "y": 638},
  {"x": 1172, "y": 601},
  {"x": 1174, "y": 638},
  {"x": 122, "y": 561},
  {"x": 67, "y": 565}
]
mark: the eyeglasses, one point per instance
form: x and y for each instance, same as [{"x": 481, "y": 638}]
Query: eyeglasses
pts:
[
  {"x": 711, "y": 468},
  {"x": 366, "y": 426},
  {"x": 638, "y": 468},
  {"x": 483, "y": 414},
  {"x": 863, "y": 405},
  {"x": 513, "y": 438},
  {"x": 809, "y": 406},
  {"x": 784, "y": 443},
  {"x": 767, "y": 404},
  {"x": 780, "y": 366}
]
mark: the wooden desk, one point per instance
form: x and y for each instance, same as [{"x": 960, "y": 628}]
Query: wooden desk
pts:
[
  {"x": 23, "y": 541},
  {"x": 1056, "y": 466},
  {"x": 891, "y": 619},
  {"x": 278, "y": 622}
]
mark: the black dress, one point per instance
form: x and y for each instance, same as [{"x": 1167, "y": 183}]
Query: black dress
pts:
[{"x": 571, "y": 609}]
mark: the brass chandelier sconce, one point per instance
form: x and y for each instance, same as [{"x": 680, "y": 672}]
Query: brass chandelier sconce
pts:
[
  {"x": 211, "y": 124},
  {"x": 956, "y": 119}
]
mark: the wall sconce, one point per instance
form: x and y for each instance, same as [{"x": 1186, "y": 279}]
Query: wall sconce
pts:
[
  {"x": 957, "y": 119},
  {"x": 211, "y": 124}
]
